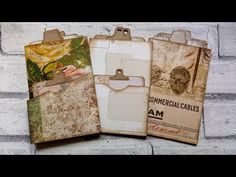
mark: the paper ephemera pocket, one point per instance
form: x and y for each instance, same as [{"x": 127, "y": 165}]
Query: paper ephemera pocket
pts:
[
  {"x": 63, "y": 100},
  {"x": 178, "y": 82},
  {"x": 122, "y": 104},
  {"x": 128, "y": 59}
]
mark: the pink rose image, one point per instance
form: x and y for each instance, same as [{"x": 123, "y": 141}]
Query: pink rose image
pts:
[{"x": 71, "y": 70}]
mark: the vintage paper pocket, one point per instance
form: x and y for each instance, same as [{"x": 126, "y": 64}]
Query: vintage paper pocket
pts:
[
  {"x": 63, "y": 100},
  {"x": 122, "y": 66},
  {"x": 178, "y": 82},
  {"x": 122, "y": 104}
]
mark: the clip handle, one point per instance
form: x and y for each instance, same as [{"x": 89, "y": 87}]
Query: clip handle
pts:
[
  {"x": 121, "y": 34},
  {"x": 119, "y": 75},
  {"x": 180, "y": 36},
  {"x": 53, "y": 35}
]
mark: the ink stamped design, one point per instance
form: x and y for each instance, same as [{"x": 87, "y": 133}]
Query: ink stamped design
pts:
[
  {"x": 178, "y": 84},
  {"x": 179, "y": 79}
]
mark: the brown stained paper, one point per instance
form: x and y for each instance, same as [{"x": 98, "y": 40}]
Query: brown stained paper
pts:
[{"x": 178, "y": 84}]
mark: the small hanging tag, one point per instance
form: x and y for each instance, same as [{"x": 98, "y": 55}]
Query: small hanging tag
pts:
[{"x": 53, "y": 36}]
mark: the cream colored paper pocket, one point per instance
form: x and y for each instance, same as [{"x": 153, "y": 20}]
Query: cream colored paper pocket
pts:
[{"x": 122, "y": 103}]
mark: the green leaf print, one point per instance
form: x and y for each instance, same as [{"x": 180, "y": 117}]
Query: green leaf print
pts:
[{"x": 34, "y": 72}]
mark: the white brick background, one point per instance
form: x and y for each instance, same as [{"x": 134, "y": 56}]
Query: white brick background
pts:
[{"x": 218, "y": 128}]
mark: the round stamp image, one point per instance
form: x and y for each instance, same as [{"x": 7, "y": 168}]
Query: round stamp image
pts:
[{"x": 179, "y": 79}]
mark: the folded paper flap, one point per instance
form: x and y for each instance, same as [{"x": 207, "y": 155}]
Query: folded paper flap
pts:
[
  {"x": 120, "y": 34},
  {"x": 183, "y": 37}
]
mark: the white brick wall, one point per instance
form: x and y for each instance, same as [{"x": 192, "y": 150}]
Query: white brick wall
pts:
[
  {"x": 13, "y": 74},
  {"x": 102, "y": 146},
  {"x": 13, "y": 117},
  {"x": 218, "y": 129},
  {"x": 227, "y": 39}
]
